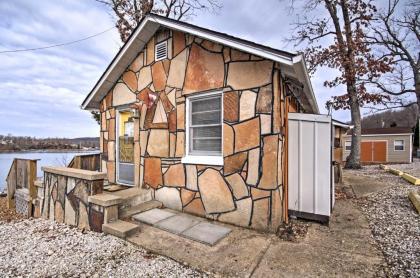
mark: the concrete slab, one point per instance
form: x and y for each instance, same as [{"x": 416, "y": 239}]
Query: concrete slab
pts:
[
  {"x": 120, "y": 228},
  {"x": 153, "y": 216},
  {"x": 364, "y": 185},
  {"x": 177, "y": 224},
  {"x": 207, "y": 233}
]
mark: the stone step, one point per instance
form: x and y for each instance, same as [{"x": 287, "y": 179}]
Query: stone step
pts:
[
  {"x": 130, "y": 211},
  {"x": 119, "y": 228}
]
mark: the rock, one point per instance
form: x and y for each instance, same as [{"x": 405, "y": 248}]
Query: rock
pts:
[
  {"x": 180, "y": 116},
  {"x": 180, "y": 137},
  {"x": 70, "y": 214},
  {"x": 195, "y": 207},
  {"x": 226, "y": 54},
  {"x": 170, "y": 197},
  {"x": 247, "y": 75},
  {"x": 253, "y": 166},
  {"x": 269, "y": 163},
  {"x": 247, "y": 105},
  {"x": 83, "y": 222},
  {"x": 150, "y": 51},
  {"x": 59, "y": 213},
  {"x": 158, "y": 144},
  {"x": 234, "y": 163},
  {"x": 243, "y": 130},
  {"x": 231, "y": 106},
  {"x": 177, "y": 71},
  {"x": 259, "y": 194},
  {"x": 160, "y": 115},
  {"x": 241, "y": 216},
  {"x": 237, "y": 55},
  {"x": 167, "y": 105},
  {"x": 172, "y": 121},
  {"x": 205, "y": 71},
  {"x": 212, "y": 46},
  {"x": 191, "y": 171},
  {"x": 186, "y": 196},
  {"x": 145, "y": 78},
  {"x": 175, "y": 176},
  {"x": 171, "y": 97},
  {"x": 137, "y": 63},
  {"x": 172, "y": 144},
  {"x": 264, "y": 99},
  {"x": 153, "y": 172},
  {"x": 111, "y": 150},
  {"x": 276, "y": 209},
  {"x": 238, "y": 186},
  {"x": 260, "y": 214},
  {"x": 144, "y": 134},
  {"x": 265, "y": 124},
  {"x": 228, "y": 140},
  {"x": 178, "y": 41},
  {"x": 122, "y": 95},
  {"x": 159, "y": 76},
  {"x": 130, "y": 79},
  {"x": 214, "y": 192}
]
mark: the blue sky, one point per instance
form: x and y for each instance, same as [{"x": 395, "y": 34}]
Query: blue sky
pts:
[{"x": 41, "y": 91}]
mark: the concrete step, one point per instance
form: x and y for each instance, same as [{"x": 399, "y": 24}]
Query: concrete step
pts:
[
  {"x": 119, "y": 228},
  {"x": 130, "y": 211},
  {"x": 132, "y": 197}
]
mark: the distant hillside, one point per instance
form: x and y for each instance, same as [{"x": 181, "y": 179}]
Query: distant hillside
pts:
[
  {"x": 22, "y": 143},
  {"x": 391, "y": 118}
]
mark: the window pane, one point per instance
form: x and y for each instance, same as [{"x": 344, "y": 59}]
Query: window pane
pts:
[
  {"x": 205, "y": 118},
  {"x": 207, "y": 104},
  {"x": 399, "y": 145},
  {"x": 212, "y": 145},
  {"x": 207, "y": 132}
]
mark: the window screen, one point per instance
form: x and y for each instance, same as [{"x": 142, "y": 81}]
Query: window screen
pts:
[
  {"x": 205, "y": 128},
  {"x": 399, "y": 145}
]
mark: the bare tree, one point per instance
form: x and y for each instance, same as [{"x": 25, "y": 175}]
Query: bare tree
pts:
[
  {"x": 333, "y": 33},
  {"x": 397, "y": 36},
  {"x": 130, "y": 12}
]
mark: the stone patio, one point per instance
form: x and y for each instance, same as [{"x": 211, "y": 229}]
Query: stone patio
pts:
[{"x": 191, "y": 227}]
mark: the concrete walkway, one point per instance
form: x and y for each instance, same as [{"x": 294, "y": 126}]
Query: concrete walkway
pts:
[
  {"x": 182, "y": 224},
  {"x": 364, "y": 185},
  {"x": 343, "y": 249}
]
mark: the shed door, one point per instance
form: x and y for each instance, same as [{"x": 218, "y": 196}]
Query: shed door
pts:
[
  {"x": 373, "y": 151},
  {"x": 310, "y": 190}
]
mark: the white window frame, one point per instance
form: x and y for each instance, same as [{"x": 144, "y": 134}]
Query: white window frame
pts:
[
  {"x": 156, "y": 47},
  {"x": 347, "y": 144},
  {"x": 190, "y": 158},
  {"x": 403, "y": 145}
]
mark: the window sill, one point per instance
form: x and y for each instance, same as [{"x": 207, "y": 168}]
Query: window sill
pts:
[{"x": 207, "y": 160}]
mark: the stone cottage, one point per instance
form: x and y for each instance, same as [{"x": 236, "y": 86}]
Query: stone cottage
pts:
[{"x": 197, "y": 120}]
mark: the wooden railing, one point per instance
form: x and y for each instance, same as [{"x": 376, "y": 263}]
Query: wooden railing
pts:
[
  {"x": 21, "y": 179},
  {"x": 91, "y": 162}
]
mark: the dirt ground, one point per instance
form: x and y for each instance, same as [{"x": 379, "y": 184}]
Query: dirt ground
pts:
[
  {"x": 6, "y": 214},
  {"x": 344, "y": 248}
]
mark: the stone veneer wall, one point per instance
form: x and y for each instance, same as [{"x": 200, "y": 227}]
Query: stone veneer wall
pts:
[
  {"x": 248, "y": 189},
  {"x": 65, "y": 200}
]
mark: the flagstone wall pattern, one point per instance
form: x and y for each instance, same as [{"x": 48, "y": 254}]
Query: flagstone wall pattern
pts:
[
  {"x": 65, "y": 200},
  {"x": 248, "y": 189}
]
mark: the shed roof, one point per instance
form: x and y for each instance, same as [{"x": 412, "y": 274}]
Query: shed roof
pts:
[{"x": 291, "y": 64}]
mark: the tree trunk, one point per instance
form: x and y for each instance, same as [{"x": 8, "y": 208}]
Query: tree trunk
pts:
[
  {"x": 417, "y": 89},
  {"x": 353, "y": 160}
]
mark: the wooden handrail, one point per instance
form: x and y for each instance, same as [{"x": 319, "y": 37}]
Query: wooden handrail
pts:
[{"x": 90, "y": 162}]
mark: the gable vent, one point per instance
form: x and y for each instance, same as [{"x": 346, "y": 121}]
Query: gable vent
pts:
[{"x": 161, "y": 51}]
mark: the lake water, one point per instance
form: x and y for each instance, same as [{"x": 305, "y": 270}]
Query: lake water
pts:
[{"x": 46, "y": 159}]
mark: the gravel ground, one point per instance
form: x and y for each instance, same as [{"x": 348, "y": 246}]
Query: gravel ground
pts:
[
  {"x": 41, "y": 248},
  {"x": 412, "y": 168},
  {"x": 394, "y": 222},
  {"x": 6, "y": 214}
]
